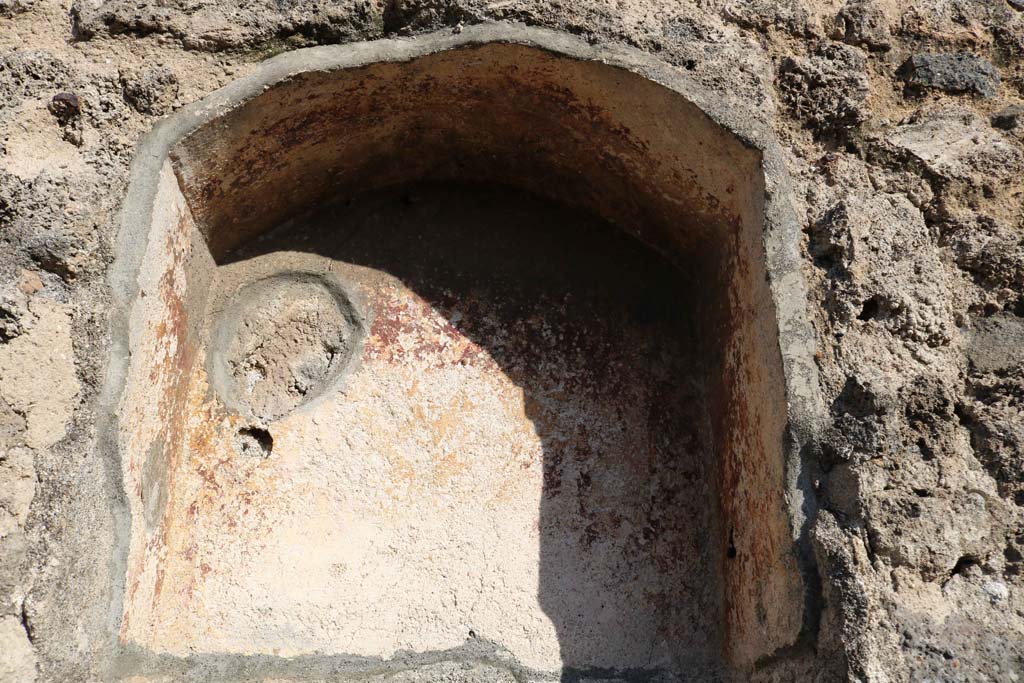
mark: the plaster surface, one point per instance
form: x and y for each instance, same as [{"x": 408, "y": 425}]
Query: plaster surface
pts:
[{"x": 519, "y": 454}]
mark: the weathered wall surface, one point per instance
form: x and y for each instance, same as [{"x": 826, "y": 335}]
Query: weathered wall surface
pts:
[{"x": 904, "y": 127}]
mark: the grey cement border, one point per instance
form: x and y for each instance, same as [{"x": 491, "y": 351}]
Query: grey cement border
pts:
[{"x": 781, "y": 241}]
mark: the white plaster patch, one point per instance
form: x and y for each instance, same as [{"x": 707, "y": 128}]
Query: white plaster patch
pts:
[
  {"x": 17, "y": 659},
  {"x": 37, "y": 374},
  {"x": 35, "y": 144},
  {"x": 17, "y": 483}
]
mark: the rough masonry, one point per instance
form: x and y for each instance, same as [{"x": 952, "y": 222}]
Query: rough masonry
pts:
[{"x": 898, "y": 126}]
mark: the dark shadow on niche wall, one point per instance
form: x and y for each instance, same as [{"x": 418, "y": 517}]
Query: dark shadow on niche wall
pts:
[{"x": 604, "y": 337}]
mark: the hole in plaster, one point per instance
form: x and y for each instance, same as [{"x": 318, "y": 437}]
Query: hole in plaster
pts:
[{"x": 254, "y": 442}]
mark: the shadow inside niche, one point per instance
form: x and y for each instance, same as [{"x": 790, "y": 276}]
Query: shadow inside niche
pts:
[{"x": 602, "y": 335}]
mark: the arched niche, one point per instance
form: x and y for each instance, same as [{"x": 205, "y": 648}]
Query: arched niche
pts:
[{"x": 487, "y": 345}]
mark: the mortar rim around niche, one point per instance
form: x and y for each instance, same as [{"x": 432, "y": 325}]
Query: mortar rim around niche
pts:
[{"x": 782, "y": 230}]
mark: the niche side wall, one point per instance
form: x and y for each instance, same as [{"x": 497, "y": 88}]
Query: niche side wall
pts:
[{"x": 173, "y": 280}]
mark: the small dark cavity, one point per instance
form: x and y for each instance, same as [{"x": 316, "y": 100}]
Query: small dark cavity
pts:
[
  {"x": 254, "y": 442},
  {"x": 1017, "y": 308},
  {"x": 872, "y": 307},
  {"x": 1012, "y": 554},
  {"x": 963, "y": 564},
  {"x": 926, "y": 450}
]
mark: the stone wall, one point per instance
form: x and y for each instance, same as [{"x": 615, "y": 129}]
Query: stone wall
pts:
[{"x": 902, "y": 126}]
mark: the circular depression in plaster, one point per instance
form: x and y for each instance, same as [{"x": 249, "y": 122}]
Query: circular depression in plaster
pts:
[{"x": 281, "y": 342}]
